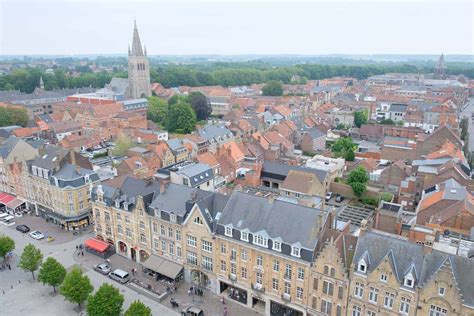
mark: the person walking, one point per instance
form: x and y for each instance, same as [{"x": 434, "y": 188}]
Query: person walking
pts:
[{"x": 225, "y": 310}]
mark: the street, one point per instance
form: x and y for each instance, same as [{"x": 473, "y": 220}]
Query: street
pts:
[{"x": 20, "y": 295}]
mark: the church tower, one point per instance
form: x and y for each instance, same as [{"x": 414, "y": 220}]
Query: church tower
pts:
[
  {"x": 138, "y": 69},
  {"x": 439, "y": 71}
]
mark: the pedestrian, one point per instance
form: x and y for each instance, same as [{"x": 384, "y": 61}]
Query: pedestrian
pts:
[
  {"x": 83, "y": 253},
  {"x": 225, "y": 310},
  {"x": 9, "y": 266},
  {"x": 222, "y": 299}
]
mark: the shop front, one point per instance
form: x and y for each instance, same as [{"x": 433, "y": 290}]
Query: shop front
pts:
[
  {"x": 161, "y": 269},
  {"x": 277, "y": 309},
  {"x": 66, "y": 222},
  {"x": 232, "y": 292},
  {"x": 99, "y": 248}
]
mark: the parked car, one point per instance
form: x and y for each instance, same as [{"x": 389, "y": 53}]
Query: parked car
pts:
[
  {"x": 120, "y": 276},
  {"x": 103, "y": 268},
  {"x": 328, "y": 196},
  {"x": 36, "y": 235},
  {"x": 23, "y": 228},
  {"x": 192, "y": 311},
  {"x": 339, "y": 198}
]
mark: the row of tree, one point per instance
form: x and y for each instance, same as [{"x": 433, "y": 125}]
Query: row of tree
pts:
[
  {"x": 74, "y": 286},
  {"x": 13, "y": 116},
  {"x": 208, "y": 74},
  {"x": 180, "y": 113}
]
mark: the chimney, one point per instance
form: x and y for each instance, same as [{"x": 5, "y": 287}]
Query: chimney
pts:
[
  {"x": 162, "y": 187},
  {"x": 363, "y": 227}
]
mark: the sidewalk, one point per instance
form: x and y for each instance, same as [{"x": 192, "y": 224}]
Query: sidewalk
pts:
[{"x": 210, "y": 303}]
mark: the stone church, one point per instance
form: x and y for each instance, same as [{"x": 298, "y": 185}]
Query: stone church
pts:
[{"x": 138, "y": 83}]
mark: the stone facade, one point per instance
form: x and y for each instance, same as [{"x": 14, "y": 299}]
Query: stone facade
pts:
[{"x": 138, "y": 69}]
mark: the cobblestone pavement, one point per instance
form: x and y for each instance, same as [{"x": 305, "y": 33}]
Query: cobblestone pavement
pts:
[
  {"x": 210, "y": 303},
  {"x": 60, "y": 235}
]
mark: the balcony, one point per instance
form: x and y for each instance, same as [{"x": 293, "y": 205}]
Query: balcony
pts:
[
  {"x": 232, "y": 277},
  {"x": 286, "y": 297},
  {"x": 258, "y": 287}
]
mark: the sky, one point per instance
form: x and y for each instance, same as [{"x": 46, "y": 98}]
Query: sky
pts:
[{"x": 71, "y": 27}]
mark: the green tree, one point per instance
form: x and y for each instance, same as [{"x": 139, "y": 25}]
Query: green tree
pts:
[
  {"x": 272, "y": 88},
  {"x": 344, "y": 147},
  {"x": 181, "y": 118},
  {"x": 360, "y": 117},
  {"x": 358, "y": 179},
  {"x": 464, "y": 126},
  {"x": 400, "y": 123},
  {"x": 17, "y": 116},
  {"x": 137, "y": 308},
  {"x": 52, "y": 273},
  {"x": 107, "y": 301},
  {"x": 122, "y": 144},
  {"x": 200, "y": 105},
  {"x": 387, "y": 122},
  {"x": 157, "y": 110},
  {"x": 31, "y": 259},
  {"x": 6, "y": 245},
  {"x": 76, "y": 287}
]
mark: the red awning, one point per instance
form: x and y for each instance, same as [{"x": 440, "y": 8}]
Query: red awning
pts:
[
  {"x": 96, "y": 245},
  {"x": 5, "y": 198}
]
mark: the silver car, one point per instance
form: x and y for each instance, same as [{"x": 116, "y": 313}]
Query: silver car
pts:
[{"x": 103, "y": 268}]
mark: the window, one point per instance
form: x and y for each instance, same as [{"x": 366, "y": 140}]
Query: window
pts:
[
  {"x": 438, "y": 311},
  {"x": 170, "y": 232},
  {"x": 388, "y": 300},
  {"x": 163, "y": 245},
  {"x": 259, "y": 277},
  {"x": 328, "y": 288},
  {"x": 243, "y": 255},
  {"x": 119, "y": 229},
  {"x": 155, "y": 228},
  {"x": 228, "y": 231},
  {"x": 361, "y": 267},
  {"x": 276, "y": 265},
  {"x": 275, "y": 284},
  {"x": 192, "y": 258},
  {"x": 295, "y": 251},
  {"x": 244, "y": 273},
  {"x": 405, "y": 305},
  {"x": 207, "y": 246},
  {"x": 299, "y": 293},
  {"x": 162, "y": 230},
  {"x": 244, "y": 236},
  {"x": 119, "y": 216},
  {"x": 178, "y": 251},
  {"x": 173, "y": 218},
  {"x": 142, "y": 238},
  {"x": 287, "y": 288},
  {"x": 259, "y": 261},
  {"x": 300, "y": 273},
  {"x": 192, "y": 241},
  {"x": 288, "y": 272},
  {"x": 128, "y": 232},
  {"x": 223, "y": 248},
  {"x": 373, "y": 295},
  {"x": 142, "y": 225},
  {"x": 156, "y": 244},
  {"x": 383, "y": 278},
  {"x": 178, "y": 235},
  {"x": 441, "y": 291},
  {"x": 171, "y": 247},
  {"x": 198, "y": 221},
  {"x": 127, "y": 219},
  {"x": 359, "y": 290},
  {"x": 356, "y": 310},
  {"x": 340, "y": 292},
  {"x": 339, "y": 310},
  {"x": 233, "y": 254},
  {"x": 276, "y": 245},
  {"x": 326, "y": 270},
  {"x": 107, "y": 216},
  {"x": 326, "y": 307},
  {"x": 315, "y": 284},
  {"x": 233, "y": 268},
  {"x": 314, "y": 302},
  {"x": 108, "y": 230},
  {"x": 260, "y": 240},
  {"x": 371, "y": 313},
  {"x": 333, "y": 272},
  {"x": 223, "y": 266},
  {"x": 207, "y": 263},
  {"x": 409, "y": 281}
]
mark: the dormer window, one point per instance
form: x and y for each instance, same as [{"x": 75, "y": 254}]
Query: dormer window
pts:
[
  {"x": 409, "y": 281},
  {"x": 244, "y": 236},
  {"x": 173, "y": 217},
  {"x": 228, "y": 231},
  {"x": 441, "y": 291},
  {"x": 362, "y": 266},
  {"x": 260, "y": 240},
  {"x": 198, "y": 221},
  {"x": 276, "y": 245},
  {"x": 296, "y": 251},
  {"x": 117, "y": 203}
]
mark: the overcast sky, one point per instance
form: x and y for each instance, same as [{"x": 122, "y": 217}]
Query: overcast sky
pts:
[{"x": 238, "y": 27}]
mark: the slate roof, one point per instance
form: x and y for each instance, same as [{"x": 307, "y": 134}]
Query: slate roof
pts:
[
  {"x": 314, "y": 132},
  {"x": 213, "y": 131},
  {"x": 198, "y": 173},
  {"x": 292, "y": 223},
  {"x": 397, "y": 107},
  {"x": 283, "y": 170},
  {"x": 404, "y": 254},
  {"x": 119, "y": 85},
  {"x": 8, "y": 146}
]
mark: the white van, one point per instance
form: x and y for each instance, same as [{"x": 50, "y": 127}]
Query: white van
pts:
[
  {"x": 119, "y": 276},
  {"x": 8, "y": 221}
]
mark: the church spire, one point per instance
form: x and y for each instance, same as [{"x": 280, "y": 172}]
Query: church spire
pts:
[
  {"x": 137, "y": 49},
  {"x": 441, "y": 61}
]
